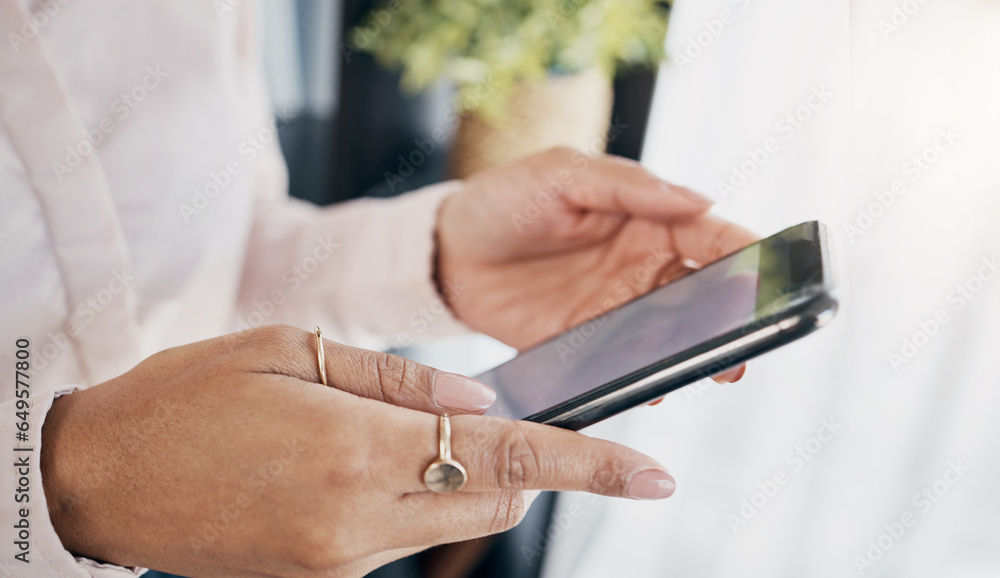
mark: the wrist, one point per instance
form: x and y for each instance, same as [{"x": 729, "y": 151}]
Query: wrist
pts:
[
  {"x": 444, "y": 284},
  {"x": 63, "y": 482}
]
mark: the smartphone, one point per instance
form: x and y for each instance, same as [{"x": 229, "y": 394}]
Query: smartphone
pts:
[{"x": 747, "y": 303}]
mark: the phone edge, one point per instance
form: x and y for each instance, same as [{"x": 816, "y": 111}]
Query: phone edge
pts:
[{"x": 798, "y": 323}]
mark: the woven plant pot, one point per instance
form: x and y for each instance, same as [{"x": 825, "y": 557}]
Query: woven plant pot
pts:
[{"x": 569, "y": 109}]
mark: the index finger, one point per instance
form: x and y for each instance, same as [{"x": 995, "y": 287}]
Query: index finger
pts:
[{"x": 500, "y": 455}]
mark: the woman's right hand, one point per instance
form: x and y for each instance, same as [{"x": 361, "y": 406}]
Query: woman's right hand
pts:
[{"x": 226, "y": 457}]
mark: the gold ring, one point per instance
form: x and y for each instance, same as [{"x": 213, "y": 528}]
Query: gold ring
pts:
[
  {"x": 445, "y": 475},
  {"x": 319, "y": 354}
]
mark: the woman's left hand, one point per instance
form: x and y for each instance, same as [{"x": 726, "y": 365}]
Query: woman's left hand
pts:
[{"x": 535, "y": 247}]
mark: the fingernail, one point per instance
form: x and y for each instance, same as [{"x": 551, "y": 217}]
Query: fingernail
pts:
[
  {"x": 453, "y": 391},
  {"x": 651, "y": 485},
  {"x": 687, "y": 193},
  {"x": 733, "y": 375}
]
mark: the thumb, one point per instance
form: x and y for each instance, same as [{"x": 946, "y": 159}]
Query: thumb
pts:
[
  {"x": 403, "y": 382},
  {"x": 615, "y": 185}
]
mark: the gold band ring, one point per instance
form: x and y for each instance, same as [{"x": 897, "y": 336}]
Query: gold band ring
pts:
[
  {"x": 319, "y": 355},
  {"x": 444, "y": 475}
]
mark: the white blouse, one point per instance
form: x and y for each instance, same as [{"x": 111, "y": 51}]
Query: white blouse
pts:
[{"x": 144, "y": 205}]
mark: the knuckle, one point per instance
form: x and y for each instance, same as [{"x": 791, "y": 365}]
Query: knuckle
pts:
[
  {"x": 559, "y": 153},
  {"x": 280, "y": 349},
  {"x": 280, "y": 335},
  {"x": 352, "y": 468},
  {"x": 163, "y": 357},
  {"x": 509, "y": 511},
  {"x": 236, "y": 343},
  {"x": 610, "y": 473},
  {"x": 719, "y": 243},
  {"x": 397, "y": 377},
  {"x": 321, "y": 549},
  {"x": 518, "y": 463},
  {"x": 624, "y": 161}
]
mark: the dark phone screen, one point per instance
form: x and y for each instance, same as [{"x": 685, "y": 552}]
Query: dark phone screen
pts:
[{"x": 722, "y": 297}]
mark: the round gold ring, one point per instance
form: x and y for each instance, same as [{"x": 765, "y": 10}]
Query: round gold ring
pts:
[
  {"x": 444, "y": 475},
  {"x": 319, "y": 355}
]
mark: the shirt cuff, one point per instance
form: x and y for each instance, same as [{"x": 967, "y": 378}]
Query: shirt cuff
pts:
[{"x": 427, "y": 315}]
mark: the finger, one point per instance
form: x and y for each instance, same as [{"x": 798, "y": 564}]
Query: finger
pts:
[
  {"x": 708, "y": 238},
  {"x": 403, "y": 382},
  {"x": 614, "y": 185},
  {"x": 500, "y": 454},
  {"x": 389, "y": 378},
  {"x": 731, "y": 376}
]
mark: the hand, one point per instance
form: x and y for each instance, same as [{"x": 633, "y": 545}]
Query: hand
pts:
[
  {"x": 538, "y": 246},
  {"x": 226, "y": 457}
]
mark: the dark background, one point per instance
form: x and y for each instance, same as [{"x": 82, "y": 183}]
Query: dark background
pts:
[{"x": 345, "y": 154}]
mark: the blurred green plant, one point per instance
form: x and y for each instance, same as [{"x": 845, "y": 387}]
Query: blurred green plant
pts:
[{"x": 500, "y": 43}]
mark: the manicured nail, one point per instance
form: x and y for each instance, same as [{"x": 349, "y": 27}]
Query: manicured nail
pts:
[
  {"x": 457, "y": 392},
  {"x": 734, "y": 375},
  {"x": 651, "y": 485},
  {"x": 687, "y": 193}
]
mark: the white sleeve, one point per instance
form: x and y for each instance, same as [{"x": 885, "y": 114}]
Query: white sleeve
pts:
[
  {"x": 362, "y": 270},
  {"x": 31, "y": 546}
]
